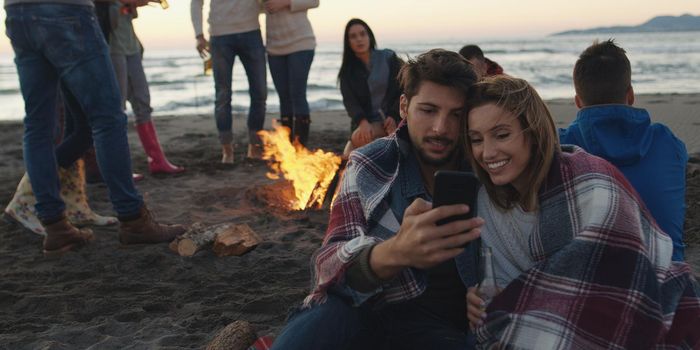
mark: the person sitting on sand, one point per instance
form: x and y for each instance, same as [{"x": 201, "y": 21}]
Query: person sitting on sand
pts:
[
  {"x": 386, "y": 276},
  {"x": 483, "y": 66},
  {"x": 59, "y": 40},
  {"x": 652, "y": 158},
  {"x": 369, "y": 85},
  {"x": 580, "y": 261}
]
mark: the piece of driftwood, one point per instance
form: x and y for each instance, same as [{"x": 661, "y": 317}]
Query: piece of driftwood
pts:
[
  {"x": 238, "y": 240},
  {"x": 198, "y": 237},
  {"x": 238, "y": 335}
]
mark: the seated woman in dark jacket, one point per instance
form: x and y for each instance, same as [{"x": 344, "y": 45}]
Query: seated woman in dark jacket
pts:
[{"x": 368, "y": 84}]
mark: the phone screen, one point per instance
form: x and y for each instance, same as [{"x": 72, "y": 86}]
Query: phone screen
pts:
[{"x": 456, "y": 187}]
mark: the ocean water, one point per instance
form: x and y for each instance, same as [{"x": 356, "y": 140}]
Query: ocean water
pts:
[{"x": 661, "y": 63}]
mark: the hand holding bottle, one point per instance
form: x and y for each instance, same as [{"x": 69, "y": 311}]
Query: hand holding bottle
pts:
[{"x": 478, "y": 298}]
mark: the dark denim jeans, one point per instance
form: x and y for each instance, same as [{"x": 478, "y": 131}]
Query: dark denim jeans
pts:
[
  {"x": 58, "y": 42},
  {"x": 290, "y": 74},
  {"x": 224, "y": 49},
  {"x": 337, "y": 325}
]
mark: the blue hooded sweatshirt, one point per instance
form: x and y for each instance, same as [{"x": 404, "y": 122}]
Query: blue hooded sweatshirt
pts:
[{"x": 651, "y": 157}]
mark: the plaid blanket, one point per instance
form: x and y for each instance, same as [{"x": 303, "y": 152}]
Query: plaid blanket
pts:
[
  {"x": 360, "y": 216},
  {"x": 603, "y": 276}
]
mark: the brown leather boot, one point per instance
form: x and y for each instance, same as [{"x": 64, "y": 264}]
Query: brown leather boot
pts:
[
  {"x": 62, "y": 236},
  {"x": 145, "y": 230}
]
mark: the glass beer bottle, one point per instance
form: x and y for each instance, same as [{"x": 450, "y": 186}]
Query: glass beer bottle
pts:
[{"x": 488, "y": 287}]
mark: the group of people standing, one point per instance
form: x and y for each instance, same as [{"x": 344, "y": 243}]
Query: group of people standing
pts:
[{"x": 290, "y": 44}]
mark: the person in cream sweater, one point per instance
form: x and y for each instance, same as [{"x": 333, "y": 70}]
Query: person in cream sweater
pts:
[{"x": 234, "y": 31}]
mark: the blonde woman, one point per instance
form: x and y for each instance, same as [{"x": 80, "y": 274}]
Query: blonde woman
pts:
[{"x": 580, "y": 261}]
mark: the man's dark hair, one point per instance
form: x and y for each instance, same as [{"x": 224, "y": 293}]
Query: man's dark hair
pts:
[
  {"x": 471, "y": 51},
  {"x": 602, "y": 74},
  {"x": 440, "y": 67}
]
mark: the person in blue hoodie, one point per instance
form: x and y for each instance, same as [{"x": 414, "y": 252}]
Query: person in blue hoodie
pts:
[{"x": 652, "y": 158}]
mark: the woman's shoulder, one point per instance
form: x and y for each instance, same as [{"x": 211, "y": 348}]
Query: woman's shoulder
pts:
[{"x": 385, "y": 52}]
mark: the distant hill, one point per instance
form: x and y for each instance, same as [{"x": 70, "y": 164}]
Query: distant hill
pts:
[{"x": 683, "y": 23}]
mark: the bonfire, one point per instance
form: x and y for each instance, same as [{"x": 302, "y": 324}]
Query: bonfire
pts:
[{"x": 310, "y": 173}]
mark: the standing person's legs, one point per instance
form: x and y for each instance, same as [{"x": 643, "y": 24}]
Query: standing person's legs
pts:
[
  {"x": 331, "y": 325},
  {"x": 252, "y": 53},
  {"x": 280, "y": 77},
  {"x": 77, "y": 138},
  {"x": 35, "y": 46},
  {"x": 223, "y": 56},
  {"x": 299, "y": 65},
  {"x": 38, "y": 81},
  {"x": 87, "y": 72},
  {"x": 137, "y": 91},
  {"x": 140, "y": 99},
  {"x": 120, "y": 71}
]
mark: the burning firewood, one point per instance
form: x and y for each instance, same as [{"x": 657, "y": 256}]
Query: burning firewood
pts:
[{"x": 309, "y": 172}]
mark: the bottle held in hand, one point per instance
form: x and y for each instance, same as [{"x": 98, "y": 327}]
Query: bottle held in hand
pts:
[{"x": 488, "y": 288}]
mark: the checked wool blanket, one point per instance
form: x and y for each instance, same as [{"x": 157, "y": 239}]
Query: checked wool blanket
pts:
[{"x": 603, "y": 276}]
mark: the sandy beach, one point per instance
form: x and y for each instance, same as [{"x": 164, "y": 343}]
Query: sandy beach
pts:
[{"x": 106, "y": 296}]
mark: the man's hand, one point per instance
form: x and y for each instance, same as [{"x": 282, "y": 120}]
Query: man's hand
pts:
[
  {"x": 272, "y": 6},
  {"x": 475, "y": 308},
  {"x": 420, "y": 242},
  {"x": 202, "y": 46}
]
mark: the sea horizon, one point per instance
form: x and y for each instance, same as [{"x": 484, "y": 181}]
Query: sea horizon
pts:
[{"x": 662, "y": 63}]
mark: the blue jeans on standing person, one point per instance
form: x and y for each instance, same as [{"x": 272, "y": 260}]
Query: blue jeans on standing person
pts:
[
  {"x": 335, "y": 324},
  {"x": 59, "y": 42},
  {"x": 224, "y": 49},
  {"x": 290, "y": 74}
]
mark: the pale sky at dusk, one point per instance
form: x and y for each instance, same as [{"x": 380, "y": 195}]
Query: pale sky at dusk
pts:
[{"x": 426, "y": 20}]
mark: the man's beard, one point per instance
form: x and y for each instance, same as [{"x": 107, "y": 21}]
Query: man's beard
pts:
[{"x": 427, "y": 160}]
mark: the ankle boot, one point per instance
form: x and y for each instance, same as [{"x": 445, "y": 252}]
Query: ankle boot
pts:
[
  {"x": 227, "y": 154},
  {"x": 145, "y": 230},
  {"x": 73, "y": 194},
  {"x": 21, "y": 208},
  {"x": 157, "y": 163},
  {"x": 62, "y": 236},
  {"x": 288, "y": 122},
  {"x": 301, "y": 128}
]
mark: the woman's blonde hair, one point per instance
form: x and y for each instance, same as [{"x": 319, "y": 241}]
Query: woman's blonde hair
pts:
[{"x": 519, "y": 98}]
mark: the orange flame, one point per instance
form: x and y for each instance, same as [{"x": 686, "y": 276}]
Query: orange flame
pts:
[{"x": 309, "y": 172}]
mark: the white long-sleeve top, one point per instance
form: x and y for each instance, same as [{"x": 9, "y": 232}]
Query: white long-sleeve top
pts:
[
  {"x": 290, "y": 31},
  {"x": 226, "y": 16}
]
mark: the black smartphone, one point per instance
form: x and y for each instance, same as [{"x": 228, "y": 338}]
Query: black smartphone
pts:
[{"x": 456, "y": 187}]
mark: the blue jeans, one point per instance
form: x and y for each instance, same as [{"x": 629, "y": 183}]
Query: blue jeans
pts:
[
  {"x": 290, "y": 74},
  {"x": 59, "y": 42},
  {"x": 224, "y": 49},
  {"x": 335, "y": 324}
]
